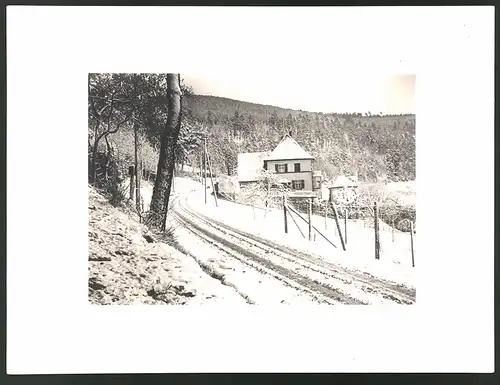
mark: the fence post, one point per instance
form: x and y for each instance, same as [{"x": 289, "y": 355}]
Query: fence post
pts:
[
  {"x": 131, "y": 172},
  {"x": 292, "y": 210},
  {"x": 284, "y": 214},
  {"x": 345, "y": 226},
  {"x": 336, "y": 217},
  {"x": 411, "y": 240},
  {"x": 309, "y": 213},
  {"x": 326, "y": 210},
  {"x": 375, "y": 225},
  {"x": 212, "y": 180}
]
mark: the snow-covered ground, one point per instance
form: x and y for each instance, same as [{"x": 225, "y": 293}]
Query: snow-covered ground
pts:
[
  {"x": 405, "y": 192},
  {"x": 252, "y": 285},
  {"x": 124, "y": 268},
  {"x": 395, "y": 257},
  {"x": 256, "y": 287}
]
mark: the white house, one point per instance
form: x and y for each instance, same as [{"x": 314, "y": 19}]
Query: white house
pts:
[
  {"x": 249, "y": 166},
  {"x": 289, "y": 160}
]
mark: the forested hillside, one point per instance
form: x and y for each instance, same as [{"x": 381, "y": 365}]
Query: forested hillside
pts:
[
  {"x": 126, "y": 109},
  {"x": 373, "y": 146}
]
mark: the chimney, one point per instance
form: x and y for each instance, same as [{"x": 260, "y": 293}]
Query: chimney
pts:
[{"x": 290, "y": 133}]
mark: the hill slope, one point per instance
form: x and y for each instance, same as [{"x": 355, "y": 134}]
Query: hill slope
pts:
[
  {"x": 125, "y": 268},
  {"x": 373, "y": 146}
]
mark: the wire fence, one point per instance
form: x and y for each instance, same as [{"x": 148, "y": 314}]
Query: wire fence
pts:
[{"x": 389, "y": 225}]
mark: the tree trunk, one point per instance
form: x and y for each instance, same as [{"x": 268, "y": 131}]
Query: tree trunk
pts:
[
  {"x": 106, "y": 159},
  {"x": 131, "y": 173},
  {"x": 94, "y": 152},
  {"x": 137, "y": 170},
  {"x": 166, "y": 162},
  {"x": 94, "y": 156},
  {"x": 94, "y": 160}
]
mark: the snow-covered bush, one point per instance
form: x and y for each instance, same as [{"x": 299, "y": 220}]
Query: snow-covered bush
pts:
[
  {"x": 267, "y": 191},
  {"x": 229, "y": 187}
]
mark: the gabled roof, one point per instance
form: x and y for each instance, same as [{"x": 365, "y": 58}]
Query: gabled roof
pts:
[
  {"x": 288, "y": 149},
  {"x": 250, "y": 165}
]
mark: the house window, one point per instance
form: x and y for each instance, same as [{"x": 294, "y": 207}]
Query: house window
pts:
[
  {"x": 296, "y": 167},
  {"x": 281, "y": 168},
  {"x": 298, "y": 184}
]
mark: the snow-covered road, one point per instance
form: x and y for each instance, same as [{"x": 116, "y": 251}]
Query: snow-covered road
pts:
[{"x": 280, "y": 268}]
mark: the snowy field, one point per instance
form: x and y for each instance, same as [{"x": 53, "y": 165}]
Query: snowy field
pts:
[
  {"x": 405, "y": 192},
  {"x": 253, "y": 286},
  {"x": 394, "y": 263},
  {"x": 395, "y": 257}
]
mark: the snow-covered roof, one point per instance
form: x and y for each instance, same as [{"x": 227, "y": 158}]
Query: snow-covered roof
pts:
[
  {"x": 250, "y": 164},
  {"x": 288, "y": 149},
  {"x": 344, "y": 181}
]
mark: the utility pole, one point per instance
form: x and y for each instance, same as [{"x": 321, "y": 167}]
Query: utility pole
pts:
[
  {"x": 376, "y": 228},
  {"x": 284, "y": 213},
  {"x": 212, "y": 181},
  {"x": 205, "y": 168},
  {"x": 200, "y": 165}
]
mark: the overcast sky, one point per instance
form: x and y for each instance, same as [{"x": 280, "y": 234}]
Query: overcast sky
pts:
[
  {"x": 328, "y": 59},
  {"x": 331, "y": 93}
]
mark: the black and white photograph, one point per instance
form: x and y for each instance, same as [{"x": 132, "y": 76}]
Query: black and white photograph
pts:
[
  {"x": 200, "y": 194},
  {"x": 178, "y": 175}
]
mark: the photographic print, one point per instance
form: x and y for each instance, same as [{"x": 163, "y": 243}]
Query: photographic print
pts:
[
  {"x": 199, "y": 192},
  {"x": 249, "y": 158}
]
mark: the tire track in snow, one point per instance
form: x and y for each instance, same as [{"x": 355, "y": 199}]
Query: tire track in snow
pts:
[
  {"x": 208, "y": 239},
  {"x": 369, "y": 284},
  {"x": 282, "y": 273}
]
